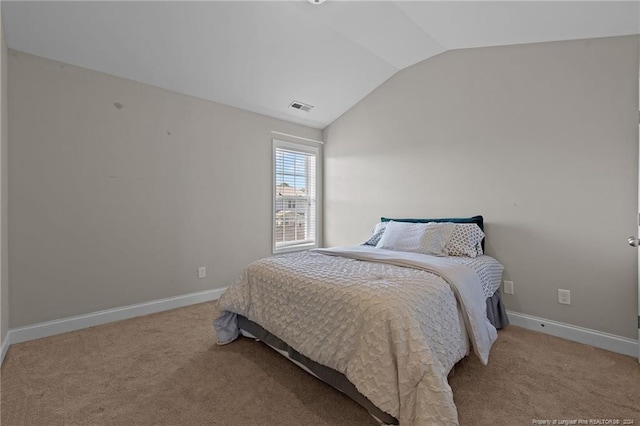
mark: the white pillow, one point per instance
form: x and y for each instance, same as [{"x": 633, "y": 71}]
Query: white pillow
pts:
[
  {"x": 465, "y": 241},
  {"x": 427, "y": 238}
]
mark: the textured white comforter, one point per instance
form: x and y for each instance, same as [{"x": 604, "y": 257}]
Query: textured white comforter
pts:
[{"x": 390, "y": 324}]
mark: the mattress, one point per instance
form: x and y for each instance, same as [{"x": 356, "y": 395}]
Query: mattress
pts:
[{"x": 389, "y": 321}]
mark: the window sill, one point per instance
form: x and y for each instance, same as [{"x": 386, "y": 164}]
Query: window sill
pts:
[{"x": 294, "y": 248}]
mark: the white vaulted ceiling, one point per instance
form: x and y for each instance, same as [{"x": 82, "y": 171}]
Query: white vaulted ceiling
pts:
[{"x": 262, "y": 55}]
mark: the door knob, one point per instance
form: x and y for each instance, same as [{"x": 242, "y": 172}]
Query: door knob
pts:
[{"x": 633, "y": 241}]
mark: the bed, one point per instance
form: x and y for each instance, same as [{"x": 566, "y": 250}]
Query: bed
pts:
[{"x": 383, "y": 326}]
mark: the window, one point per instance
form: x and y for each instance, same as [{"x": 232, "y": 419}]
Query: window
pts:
[{"x": 295, "y": 201}]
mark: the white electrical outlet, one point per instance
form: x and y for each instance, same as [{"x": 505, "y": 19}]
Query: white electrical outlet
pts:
[
  {"x": 508, "y": 287},
  {"x": 564, "y": 296},
  {"x": 202, "y": 272}
]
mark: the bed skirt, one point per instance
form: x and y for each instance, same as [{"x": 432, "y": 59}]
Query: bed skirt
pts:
[{"x": 496, "y": 312}]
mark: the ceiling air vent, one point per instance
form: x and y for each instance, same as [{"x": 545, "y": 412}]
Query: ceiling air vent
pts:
[{"x": 300, "y": 106}]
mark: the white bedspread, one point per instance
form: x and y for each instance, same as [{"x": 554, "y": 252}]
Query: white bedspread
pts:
[{"x": 391, "y": 324}]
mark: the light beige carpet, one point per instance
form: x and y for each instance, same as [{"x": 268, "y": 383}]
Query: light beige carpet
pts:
[{"x": 165, "y": 369}]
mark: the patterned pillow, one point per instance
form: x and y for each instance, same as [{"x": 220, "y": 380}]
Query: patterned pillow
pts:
[
  {"x": 425, "y": 238},
  {"x": 378, "y": 230},
  {"x": 465, "y": 241}
]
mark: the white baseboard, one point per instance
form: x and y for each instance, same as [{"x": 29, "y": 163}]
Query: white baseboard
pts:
[
  {"x": 599, "y": 339},
  {"x": 78, "y": 322}
]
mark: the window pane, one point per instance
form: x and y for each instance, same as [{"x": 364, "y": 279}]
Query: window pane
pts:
[{"x": 295, "y": 203}]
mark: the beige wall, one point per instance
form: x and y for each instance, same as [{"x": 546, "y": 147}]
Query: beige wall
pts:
[
  {"x": 541, "y": 139},
  {"x": 4, "y": 270},
  {"x": 111, "y": 207}
]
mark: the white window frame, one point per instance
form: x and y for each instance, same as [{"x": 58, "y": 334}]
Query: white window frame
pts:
[{"x": 316, "y": 151}]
